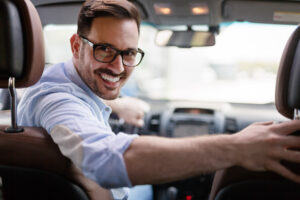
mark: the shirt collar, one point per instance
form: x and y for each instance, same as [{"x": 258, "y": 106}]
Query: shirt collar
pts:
[{"x": 75, "y": 78}]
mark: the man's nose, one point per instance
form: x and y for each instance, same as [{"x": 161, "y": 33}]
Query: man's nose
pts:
[{"x": 117, "y": 65}]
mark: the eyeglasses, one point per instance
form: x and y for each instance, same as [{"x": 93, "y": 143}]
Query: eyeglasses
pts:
[{"x": 106, "y": 54}]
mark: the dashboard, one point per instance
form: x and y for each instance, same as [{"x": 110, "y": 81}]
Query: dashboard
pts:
[
  {"x": 190, "y": 121},
  {"x": 185, "y": 119}
]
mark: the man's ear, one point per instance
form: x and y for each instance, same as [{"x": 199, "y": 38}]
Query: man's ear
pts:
[{"x": 75, "y": 45}]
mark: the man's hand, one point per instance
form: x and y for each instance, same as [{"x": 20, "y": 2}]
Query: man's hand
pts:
[
  {"x": 130, "y": 109},
  {"x": 262, "y": 146}
]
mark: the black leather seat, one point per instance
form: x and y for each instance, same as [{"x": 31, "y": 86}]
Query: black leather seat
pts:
[
  {"x": 238, "y": 183},
  {"x": 31, "y": 165}
]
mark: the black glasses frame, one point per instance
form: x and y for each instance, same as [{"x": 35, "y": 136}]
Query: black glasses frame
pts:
[{"x": 118, "y": 52}]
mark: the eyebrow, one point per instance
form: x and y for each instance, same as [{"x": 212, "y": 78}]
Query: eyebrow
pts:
[{"x": 111, "y": 45}]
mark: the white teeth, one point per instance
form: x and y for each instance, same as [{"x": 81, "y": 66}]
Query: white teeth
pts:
[{"x": 109, "y": 78}]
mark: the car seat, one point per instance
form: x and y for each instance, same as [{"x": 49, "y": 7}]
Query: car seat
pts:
[
  {"x": 238, "y": 183},
  {"x": 31, "y": 165}
]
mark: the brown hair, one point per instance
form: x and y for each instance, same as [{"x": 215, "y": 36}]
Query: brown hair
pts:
[{"x": 91, "y": 9}]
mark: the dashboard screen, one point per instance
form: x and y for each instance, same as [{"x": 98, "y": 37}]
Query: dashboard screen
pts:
[{"x": 190, "y": 129}]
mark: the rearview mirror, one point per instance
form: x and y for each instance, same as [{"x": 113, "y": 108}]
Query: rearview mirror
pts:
[{"x": 185, "y": 39}]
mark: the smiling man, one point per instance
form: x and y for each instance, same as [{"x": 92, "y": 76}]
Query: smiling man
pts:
[
  {"x": 70, "y": 99},
  {"x": 68, "y": 102},
  {"x": 99, "y": 63}
]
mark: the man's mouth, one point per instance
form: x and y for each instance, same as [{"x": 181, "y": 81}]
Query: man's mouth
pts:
[{"x": 110, "y": 78}]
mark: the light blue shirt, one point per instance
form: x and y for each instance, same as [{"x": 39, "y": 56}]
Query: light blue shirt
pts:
[{"x": 77, "y": 120}]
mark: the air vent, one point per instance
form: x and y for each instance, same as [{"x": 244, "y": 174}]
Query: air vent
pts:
[
  {"x": 154, "y": 123},
  {"x": 231, "y": 125}
]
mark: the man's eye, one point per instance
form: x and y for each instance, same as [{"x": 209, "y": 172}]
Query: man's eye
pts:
[
  {"x": 130, "y": 53},
  {"x": 104, "y": 52},
  {"x": 105, "y": 49}
]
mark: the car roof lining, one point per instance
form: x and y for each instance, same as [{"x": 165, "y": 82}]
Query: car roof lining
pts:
[{"x": 54, "y": 11}]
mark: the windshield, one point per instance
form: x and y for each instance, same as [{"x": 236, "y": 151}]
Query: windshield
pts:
[{"x": 241, "y": 67}]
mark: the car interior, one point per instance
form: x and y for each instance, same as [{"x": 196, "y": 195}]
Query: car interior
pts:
[{"x": 31, "y": 165}]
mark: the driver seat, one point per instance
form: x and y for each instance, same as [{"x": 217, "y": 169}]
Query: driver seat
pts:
[
  {"x": 31, "y": 165},
  {"x": 238, "y": 183}
]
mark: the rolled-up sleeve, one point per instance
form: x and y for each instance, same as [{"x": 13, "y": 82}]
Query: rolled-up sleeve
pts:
[{"x": 85, "y": 137}]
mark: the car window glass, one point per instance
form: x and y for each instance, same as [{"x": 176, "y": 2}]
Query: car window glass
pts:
[{"x": 241, "y": 67}]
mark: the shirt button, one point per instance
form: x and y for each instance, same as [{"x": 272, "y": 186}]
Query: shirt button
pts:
[{"x": 107, "y": 109}]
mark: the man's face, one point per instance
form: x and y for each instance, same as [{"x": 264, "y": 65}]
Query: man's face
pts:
[{"x": 106, "y": 79}]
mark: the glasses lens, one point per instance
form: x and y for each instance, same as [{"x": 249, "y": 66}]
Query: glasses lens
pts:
[
  {"x": 107, "y": 54},
  {"x": 104, "y": 53},
  {"x": 132, "y": 58}
]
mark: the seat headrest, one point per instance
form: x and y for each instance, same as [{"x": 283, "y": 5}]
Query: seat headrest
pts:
[
  {"x": 21, "y": 43},
  {"x": 287, "y": 94}
]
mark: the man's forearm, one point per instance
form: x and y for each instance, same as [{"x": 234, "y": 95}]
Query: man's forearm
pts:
[
  {"x": 158, "y": 160},
  {"x": 261, "y": 146}
]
